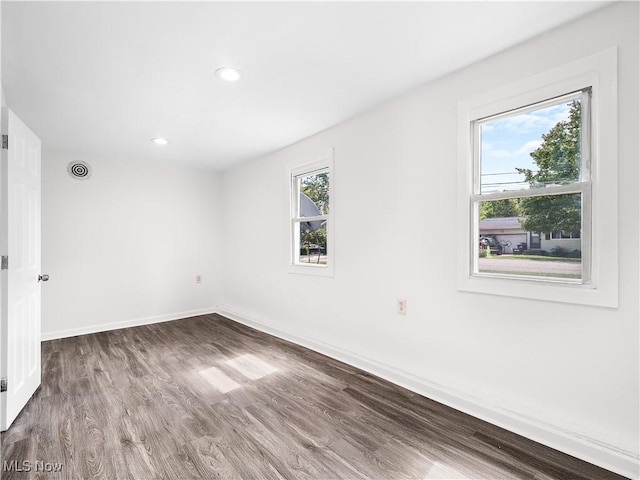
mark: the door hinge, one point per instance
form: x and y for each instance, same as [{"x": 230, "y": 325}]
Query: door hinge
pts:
[
  {"x": 3, "y": 385},
  {"x": 4, "y": 263},
  {"x": 5, "y": 142}
]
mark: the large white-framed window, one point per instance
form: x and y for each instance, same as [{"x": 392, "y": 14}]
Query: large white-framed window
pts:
[
  {"x": 533, "y": 163},
  {"x": 537, "y": 192},
  {"x": 311, "y": 233}
]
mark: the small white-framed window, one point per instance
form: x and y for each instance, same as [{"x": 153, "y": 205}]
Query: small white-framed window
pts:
[
  {"x": 311, "y": 222},
  {"x": 537, "y": 192}
]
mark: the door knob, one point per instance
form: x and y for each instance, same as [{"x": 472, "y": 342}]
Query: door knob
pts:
[{"x": 43, "y": 278}]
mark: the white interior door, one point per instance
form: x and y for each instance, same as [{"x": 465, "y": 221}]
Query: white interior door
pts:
[{"x": 21, "y": 280}]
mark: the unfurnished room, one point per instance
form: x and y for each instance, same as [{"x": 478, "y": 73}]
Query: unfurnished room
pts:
[{"x": 320, "y": 240}]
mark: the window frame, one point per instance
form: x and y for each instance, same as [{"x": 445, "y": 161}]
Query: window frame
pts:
[
  {"x": 600, "y": 222},
  {"x": 321, "y": 163},
  {"x": 580, "y": 186}
]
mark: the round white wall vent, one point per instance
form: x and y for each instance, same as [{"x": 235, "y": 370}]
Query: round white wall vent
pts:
[{"x": 79, "y": 170}]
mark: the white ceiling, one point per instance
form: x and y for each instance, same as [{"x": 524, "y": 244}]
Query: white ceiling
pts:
[{"x": 106, "y": 77}]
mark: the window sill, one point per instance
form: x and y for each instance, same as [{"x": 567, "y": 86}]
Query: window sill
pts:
[
  {"x": 315, "y": 270},
  {"x": 563, "y": 292}
]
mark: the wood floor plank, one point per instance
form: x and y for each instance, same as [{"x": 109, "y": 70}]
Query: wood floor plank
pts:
[{"x": 209, "y": 398}]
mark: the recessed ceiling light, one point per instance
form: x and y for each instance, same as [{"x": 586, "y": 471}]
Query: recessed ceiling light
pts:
[
  {"x": 160, "y": 141},
  {"x": 229, "y": 74}
]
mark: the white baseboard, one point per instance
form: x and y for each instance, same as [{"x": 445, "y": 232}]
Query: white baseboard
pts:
[
  {"x": 135, "y": 322},
  {"x": 517, "y": 419}
]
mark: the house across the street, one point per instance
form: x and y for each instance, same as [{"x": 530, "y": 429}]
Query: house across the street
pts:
[{"x": 509, "y": 232}]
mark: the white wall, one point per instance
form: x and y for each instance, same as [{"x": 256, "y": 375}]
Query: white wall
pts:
[
  {"x": 123, "y": 247},
  {"x": 562, "y": 374}
]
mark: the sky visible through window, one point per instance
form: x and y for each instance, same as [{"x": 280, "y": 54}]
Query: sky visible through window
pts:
[{"x": 506, "y": 144}]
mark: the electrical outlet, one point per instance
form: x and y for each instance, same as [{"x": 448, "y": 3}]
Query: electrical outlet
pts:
[
  {"x": 198, "y": 278},
  {"x": 402, "y": 306}
]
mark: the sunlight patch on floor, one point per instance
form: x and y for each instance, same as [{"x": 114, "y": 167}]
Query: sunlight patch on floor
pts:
[
  {"x": 439, "y": 471},
  {"x": 251, "y": 366},
  {"x": 219, "y": 380}
]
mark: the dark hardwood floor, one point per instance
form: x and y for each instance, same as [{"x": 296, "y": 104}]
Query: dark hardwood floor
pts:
[{"x": 208, "y": 398}]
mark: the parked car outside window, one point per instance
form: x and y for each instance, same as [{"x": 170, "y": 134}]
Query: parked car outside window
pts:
[{"x": 490, "y": 242}]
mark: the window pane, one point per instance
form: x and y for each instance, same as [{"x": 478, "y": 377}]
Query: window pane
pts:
[
  {"x": 532, "y": 149},
  {"x": 509, "y": 243},
  {"x": 313, "y": 243},
  {"x": 314, "y": 194}
]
